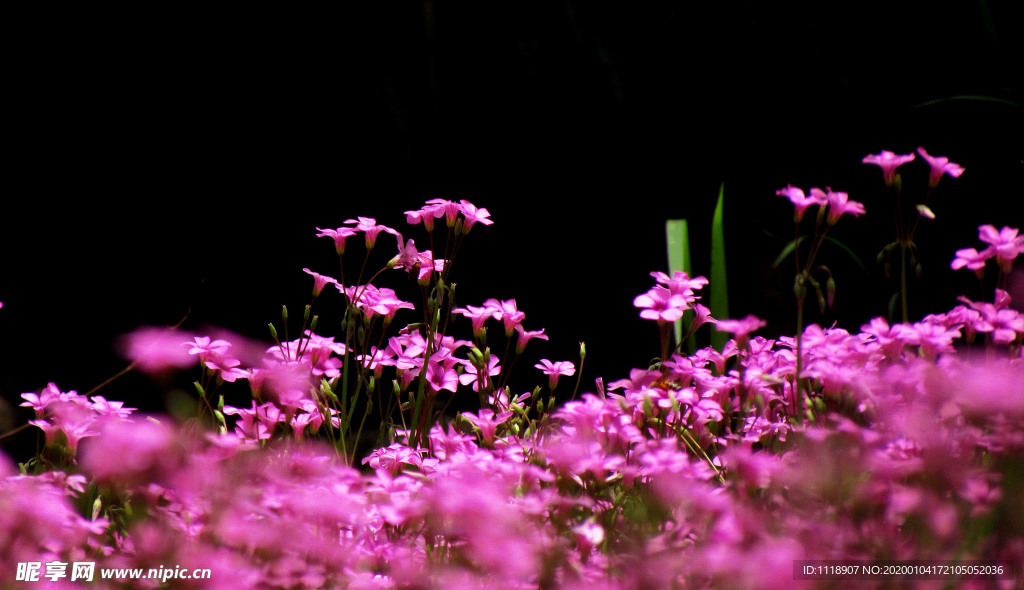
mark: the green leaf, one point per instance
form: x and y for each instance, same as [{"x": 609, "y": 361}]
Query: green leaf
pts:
[
  {"x": 718, "y": 297},
  {"x": 969, "y": 98},
  {"x": 847, "y": 250},
  {"x": 677, "y": 235},
  {"x": 792, "y": 245}
]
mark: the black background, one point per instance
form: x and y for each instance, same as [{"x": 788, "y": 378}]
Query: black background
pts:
[{"x": 160, "y": 162}]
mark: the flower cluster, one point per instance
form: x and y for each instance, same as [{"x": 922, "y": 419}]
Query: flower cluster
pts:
[
  {"x": 718, "y": 468},
  {"x": 1004, "y": 246}
]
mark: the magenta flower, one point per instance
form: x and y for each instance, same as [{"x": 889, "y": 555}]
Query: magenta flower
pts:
[
  {"x": 840, "y": 204},
  {"x": 479, "y": 315},
  {"x": 939, "y": 165},
  {"x": 661, "y": 305},
  {"x": 1005, "y": 243},
  {"x": 370, "y": 229},
  {"x": 487, "y": 422},
  {"x": 888, "y": 162},
  {"x": 507, "y": 312},
  {"x": 426, "y": 215},
  {"x": 338, "y": 235},
  {"x": 972, "y": 259},
  {"x": 447, "y": 208},
  {"x": 156, "y": 349},
  {"x": 680, "y": 283},
  {"x": 741, "y": 329},
  {"x": 473, "y": 216},
  {"x": 439, "y": 377},
  {"x": 319, "y": 281},
  {"x": 527, "y": 335},
  {"x": 801, "y": 201},
  {"x": 471, "y": 375},
  {"x": 555, "y": 370}
]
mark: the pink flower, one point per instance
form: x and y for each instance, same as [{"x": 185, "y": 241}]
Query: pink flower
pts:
[
  {"x": 525, "y": 336},
  {"x": 426, "y": 214},
  {"x": 741, "y": 329},
  {"x": 889, "y": 162},
  {"x": 471, "y": 375},
  {"x": 410, "y": 259},
  {"x": 479, "y": 315},
  {"x": 840, "y": 204},
  {"x": 447, "y": 208},
  {"x": 439, "y": 377},
  {"x": 473, "y": 216},
  {"x": 555, "y": 370},
  {"x": 156, "y": 349},
  {"x": 661, "y": 305},
  {"x": 487, "y": 422},
  {"x": 506, "y": 312},
  {"x": 338, "y": 235},
  {"x": 370, "y": 229},
  {"x": 972, "y": 259},
  {"x": 939, "y": 165},
  {"x": 1005, "y": 243},
  {"x": 681, "y": 284},
  {"x": 319, "y": 281},
  {"x": 800, "y": 201}
]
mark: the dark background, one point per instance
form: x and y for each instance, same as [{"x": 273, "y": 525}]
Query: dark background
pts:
[{"x": 160, "y": 162}]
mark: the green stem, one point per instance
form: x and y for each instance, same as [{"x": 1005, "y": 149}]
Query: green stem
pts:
[{"x": 903, "y": 282}]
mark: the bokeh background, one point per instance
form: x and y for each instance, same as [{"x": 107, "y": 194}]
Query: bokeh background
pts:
[{"x": 160, "y": 163}]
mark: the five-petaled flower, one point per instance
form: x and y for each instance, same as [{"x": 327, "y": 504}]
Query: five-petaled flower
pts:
[
  {"x": 940, "y": 165},
  {"x": 801, "y": 201},
  {"x": 1005, "y": 243},
  {"x": 555, "y": 369},
  {"x": 888, "y": 162},
  {"x": 660, "y": 304},
  {"x": 319, "y": 281},
  {"x": 840, "y": 204}
]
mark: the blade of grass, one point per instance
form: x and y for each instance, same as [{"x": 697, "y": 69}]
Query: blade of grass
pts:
[
  {"x": 677, "y": 236},
  {"x": 718, "y": 297}
]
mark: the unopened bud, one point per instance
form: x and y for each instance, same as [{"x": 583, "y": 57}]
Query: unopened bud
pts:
[
  {"x": 312, "y": 325},
  {"x": 515, "y": 428},
  {"x": 273, "y": 331},
  {"x": 583, "y": 350},
  {"x": 830, "y": 291},
  {"x": 305, "y": 314},
  {"x": 372, "y": 386},
  {"x": 918, "y": 270},
  {"x": 925, "y": 211},
  {"x": 199, "y": 389},
  {"x": 284, "y": 313},
  {"x": 396, "y": 388},
  {"x": 799, "y": 288},
  {"x": 551, "y": 403},
  {"x": 460, "y": 228}
]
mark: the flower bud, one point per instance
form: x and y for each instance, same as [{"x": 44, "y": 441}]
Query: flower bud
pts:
[
  {"x": 918, "y": 270},
  {"x": 284, "y": 313},
  {"x": 199, "y": 389},
  {"x": 273, "y": 331},
  {"x": 830, "y": 291},
  {"x": 372, "y": 386},
  {"x": 583, "y": 350},
  {"x": 312, "y": 325}
]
